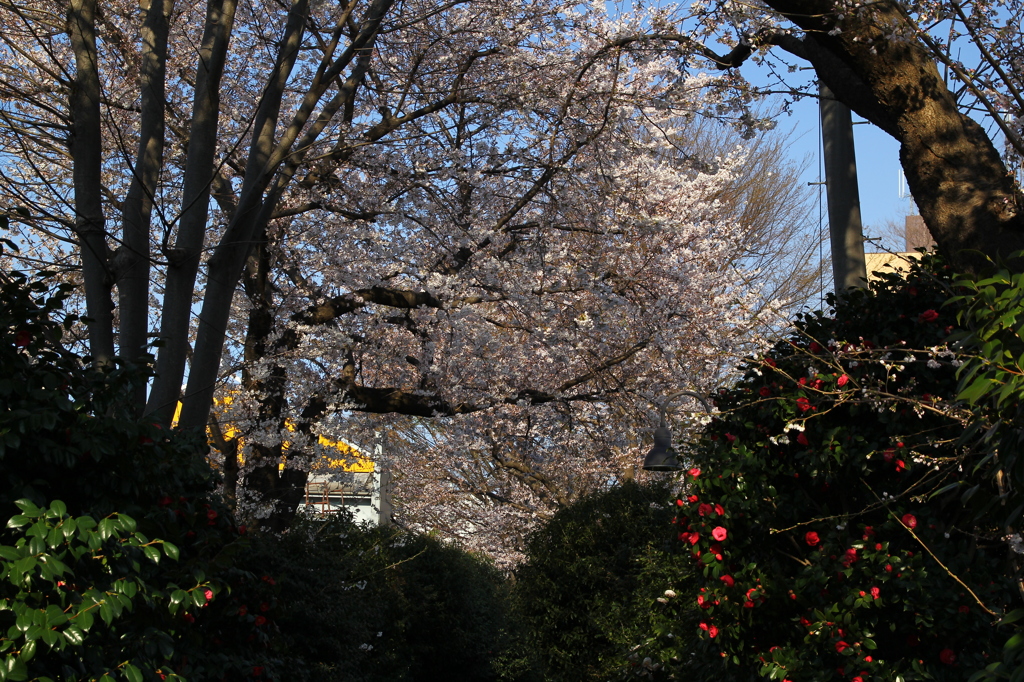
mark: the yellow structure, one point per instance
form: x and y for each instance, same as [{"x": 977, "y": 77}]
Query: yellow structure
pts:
[
  {"x": 915, "y": 236},
  {"x": 349, "y": 459},
  {"x": 344, "y": 478},
  {"x": 889, "y": 262}
]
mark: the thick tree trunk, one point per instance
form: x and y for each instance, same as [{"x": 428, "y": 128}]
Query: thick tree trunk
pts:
[
  {"x": 132, "y": 261},
  {"x": 967, "y": 198},
  {"x": 185, "y": 256},
  {"x": 86, "y": 145}
]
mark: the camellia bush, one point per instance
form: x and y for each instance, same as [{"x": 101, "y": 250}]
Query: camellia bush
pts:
[
  {"x": 117, "y": 562},
  {"x": 836, "y": 512}
]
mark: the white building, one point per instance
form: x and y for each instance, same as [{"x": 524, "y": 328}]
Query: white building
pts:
[{"x": 355, "y": 482}]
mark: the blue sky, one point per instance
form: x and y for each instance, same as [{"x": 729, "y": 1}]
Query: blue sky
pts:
[{"x": 878, "y": 167}]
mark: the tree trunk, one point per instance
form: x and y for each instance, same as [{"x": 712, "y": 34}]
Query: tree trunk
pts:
[
  {"x": 968, "y": 199},
  {"x": 185, "y": 255},
  {"x": 134, "y": 256},
  {"x": 87, "y": 151}
]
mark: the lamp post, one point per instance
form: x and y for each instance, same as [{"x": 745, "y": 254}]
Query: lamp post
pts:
[{"x": 662, "y": 456}]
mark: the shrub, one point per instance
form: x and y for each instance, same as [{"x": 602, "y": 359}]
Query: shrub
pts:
[
  {"x": 117, "y": 561},
  {"x": 378, "y": 603},
  {"x": 821, "y": 512},
  {"x": 594, "y": 575}
]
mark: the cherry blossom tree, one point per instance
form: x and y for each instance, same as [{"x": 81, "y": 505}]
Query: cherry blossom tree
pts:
[{"x": 487, "y": 214}]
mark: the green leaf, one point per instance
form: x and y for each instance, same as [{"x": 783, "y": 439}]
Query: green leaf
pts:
[
  {"x": 106, "y": 528},
  {"x": 126, "y": 523},
  {"x": 84, "y": 620},
  {"x": 28, "y": 650},
  {"x": 1014, "y": 642},
  {"x": 132, "y": 673},
  {"x": 26, "y": 506},
  {"x": 16, "y": 669},
  {"x": 18, "y": 521},
  {"x": 74, "y": 635},
  {"x": 977, "y": 390},
  {"x": 152, "y": 553},
  {"x": 171, "y": 551}
]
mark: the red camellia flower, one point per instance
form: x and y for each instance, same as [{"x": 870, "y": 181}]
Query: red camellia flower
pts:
[
  {"x": 928, "y": 316},
  {"x": 909, "y": 520},
  {"x": 704, "y": 508},
  {"x": 900, "y": 466},
  {"x": 712, "y": 631},
  {"x": 694, "y": 472},
  {"x": 164, "y": 501},
  {"x": 22, "y": 339},
  {"x": 765, "y": 392},
  {"x": 719, "y": 510},
  {"x": 243, "y": 610},
  {"x": 189, "y": 618},
  {"x": 693, "y": 499},
  {"x": 208, "y": 593},
  {"x": 704, "y": 626},
  {"x": 811, "y": 538},
  {"x": 875, "y": 592},
  {"x": 802, "y": 439},
  {"x": 842, "y": 646},
  {"x": 815, "y": 347},
  {"x": 947, "y": 656},
  {"x": 260, "y": 620},
  {"x": 694, "y": 538},
  {"x": 803, "y": 404},
  {"x": 731, "y": 438},
  {"x": 964, "y": 609},
  {"x": 842, "y": 380},
  {"x": 719, "y": 533},
  {"x": 748, "y": 604},
  {"x": 769, "y": 362},
  {"x": 728, "y": 580}
]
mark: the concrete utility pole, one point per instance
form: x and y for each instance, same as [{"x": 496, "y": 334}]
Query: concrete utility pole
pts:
[{"x": 847, "y": 235}]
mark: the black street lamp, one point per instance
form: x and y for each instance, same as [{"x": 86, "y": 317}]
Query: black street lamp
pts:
[{"x": 662, "y": 456}]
